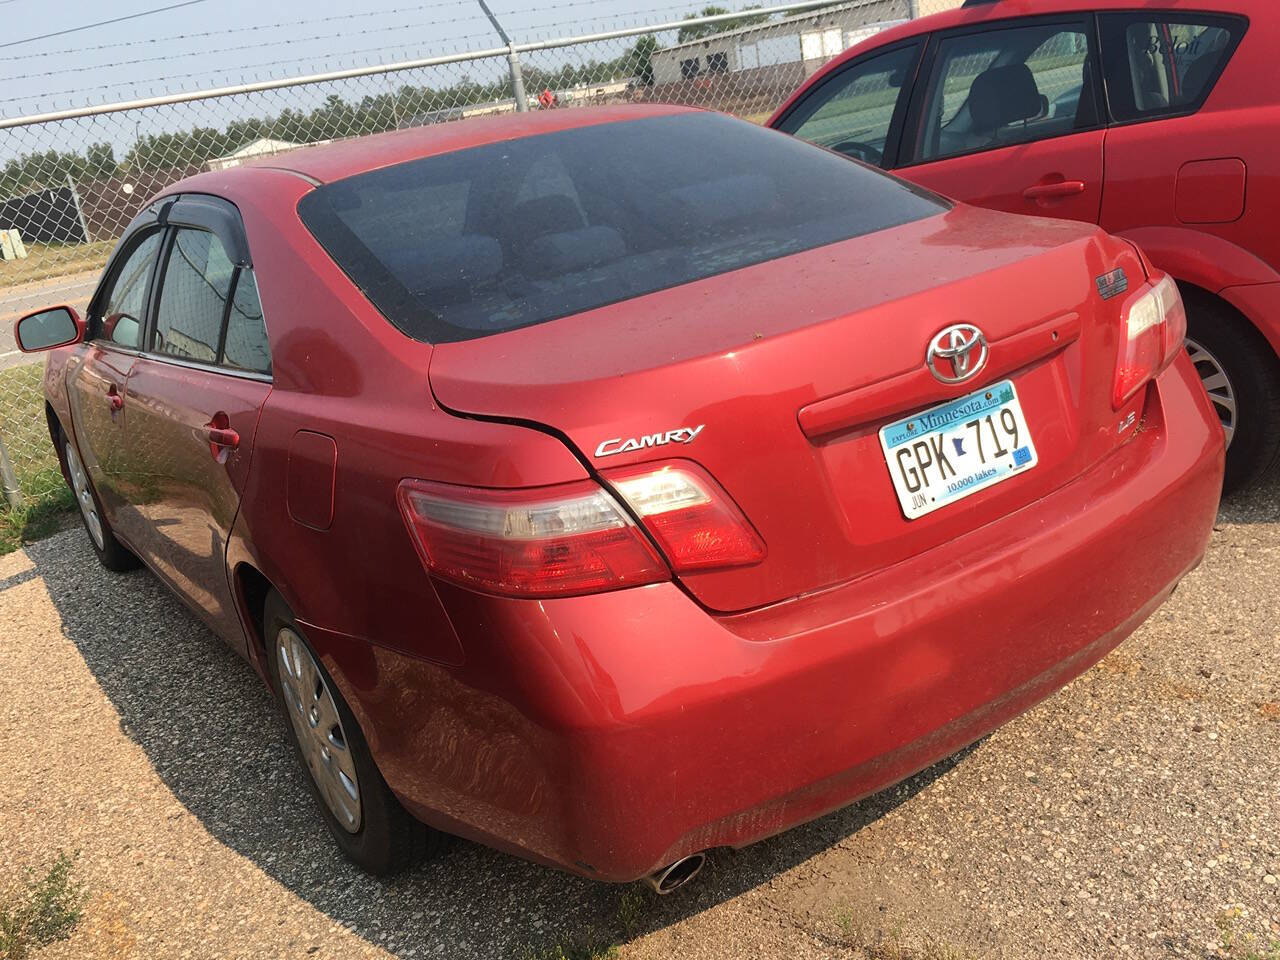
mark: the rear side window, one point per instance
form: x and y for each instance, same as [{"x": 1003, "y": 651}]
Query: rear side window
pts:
[
  {"x": 1002, "y": 87},
  {"x": 208, "y": 309},
  {"x": 852, "y": 112},
  {"x": 193, "y": 297},
  {"x": 510, "y": 234},
  {"x": 246, "y": 341},
  {"x": 1165, "y": 64}
]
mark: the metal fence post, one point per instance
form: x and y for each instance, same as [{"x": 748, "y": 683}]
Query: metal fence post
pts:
[
  {"x": 9, "y": 479},
  {"x": 517, "y": 81},
  {"x": 75, "y": 199},
  {"x": 513, "y": 61}
]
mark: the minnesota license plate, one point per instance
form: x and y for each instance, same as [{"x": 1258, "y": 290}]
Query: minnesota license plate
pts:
[{"x": 951, "y": 451}]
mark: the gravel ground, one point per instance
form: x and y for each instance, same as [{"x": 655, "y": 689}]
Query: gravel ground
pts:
[{"x": 1123, "y": 817}]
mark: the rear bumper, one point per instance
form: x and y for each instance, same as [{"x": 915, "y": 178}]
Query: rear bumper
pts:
[{"x": 612, "y": 734}]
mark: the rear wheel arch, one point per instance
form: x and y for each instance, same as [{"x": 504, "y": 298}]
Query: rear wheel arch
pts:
[
  {"x": 252, "y": 588},
  {"x": 1235, "y": 343},
  {"x": 1202, "y": 259}
]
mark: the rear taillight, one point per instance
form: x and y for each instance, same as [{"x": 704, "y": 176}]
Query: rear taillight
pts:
[
  {"x": 543, "y": 542},
  {"x": 1154, "y": 325},
  {"x": 689, "y": 516}
]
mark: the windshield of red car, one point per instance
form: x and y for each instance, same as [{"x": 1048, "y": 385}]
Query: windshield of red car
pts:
[{"x": 518, "y": 232}]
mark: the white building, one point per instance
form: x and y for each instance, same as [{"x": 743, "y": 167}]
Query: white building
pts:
[
  {"x": 810, "y": 38},
  {"x": 262, "y": 147}
]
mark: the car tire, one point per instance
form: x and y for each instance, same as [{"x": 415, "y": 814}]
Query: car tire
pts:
[
  {"x": 112, "y": 554},
  {"x": 369, "y": 824},
  {"x": 1242, "y": 376}
]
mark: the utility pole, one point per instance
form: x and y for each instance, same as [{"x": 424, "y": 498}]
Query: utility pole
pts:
[{"x": 513, "y": 61}]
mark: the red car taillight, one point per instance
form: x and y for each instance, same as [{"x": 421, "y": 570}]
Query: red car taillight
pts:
[
  {"x": 542, "y": 542},
  {"x": 575, "y": 538},
  {"x": 692, "y": 519},
  {"x": 1154, "y": 325}
]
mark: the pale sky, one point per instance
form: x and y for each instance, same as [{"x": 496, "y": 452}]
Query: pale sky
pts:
[{"x": 216, "y": 42}]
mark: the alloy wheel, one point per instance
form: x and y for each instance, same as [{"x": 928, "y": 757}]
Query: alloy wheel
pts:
[
  {"x": 1217, "y": 384},
  {"x": 318, "y": 727},
  {"x": 84, "y": 496}
]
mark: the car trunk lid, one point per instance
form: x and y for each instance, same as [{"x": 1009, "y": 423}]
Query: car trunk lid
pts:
[{"x": 776, "y": 379}]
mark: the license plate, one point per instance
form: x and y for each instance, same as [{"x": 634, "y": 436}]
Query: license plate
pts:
[{"x": 951, "y": 451}]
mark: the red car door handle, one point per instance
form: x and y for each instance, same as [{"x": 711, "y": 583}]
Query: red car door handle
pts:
[
  {"x": 1053, "y": 191},
  {"x": 221, "y": 437}
]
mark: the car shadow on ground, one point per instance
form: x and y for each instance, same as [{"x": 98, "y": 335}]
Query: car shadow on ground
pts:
[
  {"x": 212, "y": 733},
  {"x": 1260, "y": 504}
]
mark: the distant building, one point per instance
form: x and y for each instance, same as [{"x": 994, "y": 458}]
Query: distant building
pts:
[
  {"x": 262, "y": 147},
  {"x": 808, "y": 39}
]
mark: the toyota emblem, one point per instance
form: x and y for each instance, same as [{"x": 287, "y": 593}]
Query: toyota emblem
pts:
[{"x": 957, "y": 353}]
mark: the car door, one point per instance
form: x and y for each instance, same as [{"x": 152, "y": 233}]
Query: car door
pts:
[
  {"x": 859, "y": 109},
  {"x": 97, "y": 387},
  {"x": 1007, "y": 116},
  {"x": 195, "y": 392},
  {"x": 1161, "y": 68}
]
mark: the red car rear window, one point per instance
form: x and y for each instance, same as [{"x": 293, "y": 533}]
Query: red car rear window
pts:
[{"x": 519, "y": 232}]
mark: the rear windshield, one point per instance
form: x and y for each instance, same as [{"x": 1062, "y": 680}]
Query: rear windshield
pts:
[{"x": 519, "y": 232}]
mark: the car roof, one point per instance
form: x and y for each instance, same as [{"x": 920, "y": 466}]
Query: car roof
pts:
[
  {"x": 327, "y": 162},
  {"x": 993, "y": 10}
]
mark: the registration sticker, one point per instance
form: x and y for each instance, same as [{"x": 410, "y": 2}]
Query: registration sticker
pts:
[{"x": 953, "y": 450}]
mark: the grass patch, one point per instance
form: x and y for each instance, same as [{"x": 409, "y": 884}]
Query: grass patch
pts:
[
  {"x": 1238, "y": 944},
  {"x": 45, "y": 261},
  {"x": 876, "y": 944},
  {"x": 30, "y": 523},
  {"x": 46, "y": 501},
  {"x": 43, "y": 909},
  {"x": 595, "y": 944},
  {"x": 579, "y": 951}
]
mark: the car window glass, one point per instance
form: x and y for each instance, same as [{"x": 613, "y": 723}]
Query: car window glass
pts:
[
  {"x": 654, "y": 203},
  {"x": 851, "y": 113},
  {"x": 193, "y": 297},
  {"x": 120, "y": 320},
  {"x": 1167, "y": 66},
  {"x": 246, "y": 344},
  {"x": 1003, "y": 87}
]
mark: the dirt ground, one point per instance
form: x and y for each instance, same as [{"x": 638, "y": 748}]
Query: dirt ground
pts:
[{"x": 1134, "y": 814}]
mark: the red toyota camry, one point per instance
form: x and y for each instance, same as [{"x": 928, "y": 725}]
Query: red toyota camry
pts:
[{"x": 611, "y": 485}]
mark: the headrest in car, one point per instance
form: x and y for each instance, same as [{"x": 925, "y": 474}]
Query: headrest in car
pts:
[
  {"x": 442, "y": 261},
  {"x": 572, "y": 250},
  {"x": 1004, "y": 95},
  {"x": 554, "y": 213},
  {"x": 713, "y": 202}
]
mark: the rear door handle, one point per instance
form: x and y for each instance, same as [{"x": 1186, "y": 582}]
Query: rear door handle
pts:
[
  {"x": 224, "y": 437},
  {"x": 1055, "y": 191}
]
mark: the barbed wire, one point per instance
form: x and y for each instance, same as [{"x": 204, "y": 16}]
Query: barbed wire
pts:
[{"x": 144, "y": 41}]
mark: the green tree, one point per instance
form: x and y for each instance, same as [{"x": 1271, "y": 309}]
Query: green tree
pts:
[
  {"x": 640, "y": 58},
  {"x": 699, "y": 30}
]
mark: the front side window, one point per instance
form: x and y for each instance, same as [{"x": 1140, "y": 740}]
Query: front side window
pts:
[
  {"x": 495, "y": 237},
  {"x": 124, "y": 305},
  {"x": 193, "y": 297},
  {"x": 852, "y": 112},
  {"x": 1002, "y": 87},
  {"x": 1164, "y": 64}
]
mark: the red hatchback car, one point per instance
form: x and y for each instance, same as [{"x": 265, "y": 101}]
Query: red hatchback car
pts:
[
  {"x": 609, "y": 485},
  {"x": 1157, "y": 120}
]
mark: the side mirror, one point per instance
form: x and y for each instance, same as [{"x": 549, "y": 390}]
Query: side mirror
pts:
[{"x": 46, "y": 329}]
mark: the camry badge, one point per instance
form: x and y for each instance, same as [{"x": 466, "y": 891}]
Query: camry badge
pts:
[
  {"x": 957, "y": 353},
  {"x": 608, "y": 448}
]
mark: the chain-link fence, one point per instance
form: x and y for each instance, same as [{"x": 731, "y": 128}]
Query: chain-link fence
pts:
[{"x": 71, "y": 181}]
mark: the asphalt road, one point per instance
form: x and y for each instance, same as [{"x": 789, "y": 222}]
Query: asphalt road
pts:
[
  {"x": 24, "y": 298},
  {"x": 1128, "y": 816}
]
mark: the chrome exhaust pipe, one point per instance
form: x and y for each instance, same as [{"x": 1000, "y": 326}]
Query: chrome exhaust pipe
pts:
[{"x": 677, "y": 874}]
